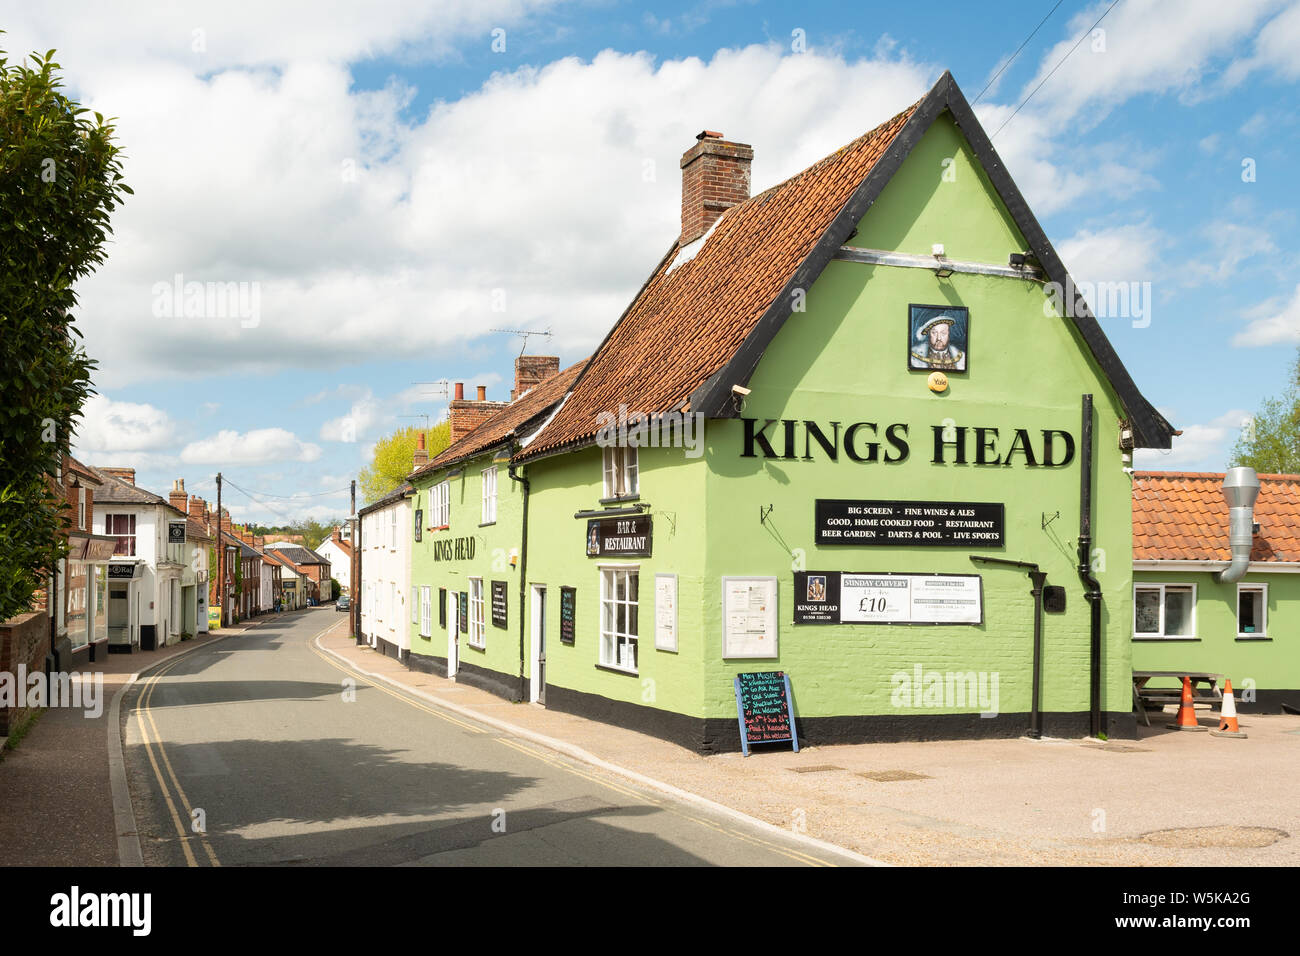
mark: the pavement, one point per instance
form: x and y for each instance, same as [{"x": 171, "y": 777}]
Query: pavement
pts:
[
  {"x": 263, "y": 750},
  {"x": 55, "y": 786},
  {"x": 1165, "y": 799}
]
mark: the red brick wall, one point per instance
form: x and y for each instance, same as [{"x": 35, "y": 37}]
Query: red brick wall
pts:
[
  {"x": 465, "y": 415},
  {"x": 715, "y": 176},
  {"x": 24, "y": 639}
]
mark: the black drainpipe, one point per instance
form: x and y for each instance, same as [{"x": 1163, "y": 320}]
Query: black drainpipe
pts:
[
  {"x": 1092, "y": 589},
  {"x": 523, "y": 580}
]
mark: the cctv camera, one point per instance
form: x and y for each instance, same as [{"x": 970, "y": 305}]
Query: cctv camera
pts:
[{"x": 740, "y": 390}]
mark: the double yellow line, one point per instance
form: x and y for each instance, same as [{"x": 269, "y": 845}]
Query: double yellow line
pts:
[{"x": 153, "y": 741}]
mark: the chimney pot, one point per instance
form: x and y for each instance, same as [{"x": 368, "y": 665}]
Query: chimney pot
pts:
[
  {"x": 482, "y": 393},
  {"x": 460, "y": 391},
  {"x": 715, "y": 177}
]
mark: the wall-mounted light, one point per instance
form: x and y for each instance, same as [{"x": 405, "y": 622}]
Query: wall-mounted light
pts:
[
  {"x": 738, "y": 395},
  {"x": 943, "y": 269}
]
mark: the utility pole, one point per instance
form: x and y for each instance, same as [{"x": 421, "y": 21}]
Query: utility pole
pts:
[
  {"x": 221, "y": 560},
  {"x": 356, "y": 567}
]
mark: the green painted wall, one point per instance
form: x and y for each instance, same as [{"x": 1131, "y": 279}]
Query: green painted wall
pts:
[
  {"x": 492, "y": 546},
  {"x": 1216, "y": 649},
  {"x": 674, "y": 486}
]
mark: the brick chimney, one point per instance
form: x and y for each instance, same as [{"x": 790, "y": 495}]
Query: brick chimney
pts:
[
  {"x": 715, "y": 176},
  {"x": 464, "y": 415},
  {"x": 421, "y": 459},
  {"x": 178, "y": 498},
  {"x": 532, "y": 370},
  {"x": 198, "y": 509},
  {"x": 125, "y": 474}
]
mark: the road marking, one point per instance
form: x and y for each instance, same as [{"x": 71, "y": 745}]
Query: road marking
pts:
[
  {"x": 162, "y": 752},
  {"x": 792, "y": 854},
  {"x": 142, "y": 712}
]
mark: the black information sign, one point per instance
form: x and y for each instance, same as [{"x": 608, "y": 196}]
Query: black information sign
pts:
[
  {"x": 625, "y": 537},
  {"x": 464, "y": 612},
  {"x": 442, "y": 608},
  {"x": 419, "y": 523},
  {"x": 498, "y": 604},
  {"x": 568, "y": 614},
  {"x": 176, "y": 532},
  {"x": 966, "y": 523},
  {"x": 816, "y": 597},
  {"x": 121, "y": 570},
  {"x": 763, "y": 709}
]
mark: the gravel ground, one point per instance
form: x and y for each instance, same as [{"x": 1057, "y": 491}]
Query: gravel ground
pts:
[{"x": 1166, "y": 799}]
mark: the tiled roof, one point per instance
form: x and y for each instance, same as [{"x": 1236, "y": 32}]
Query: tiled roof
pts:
[
  {"x": 1181, "y": 516},
  {"x": 71, "y": 464},
  {"x": 688, "y": 321},
  {"x": 398, "y": 493},
  {"x": 195, "y": 529},
  {"x": 299, "y": 555},
  {"x": 503, "y": 425},
  {"x": 115, "y": 491}
]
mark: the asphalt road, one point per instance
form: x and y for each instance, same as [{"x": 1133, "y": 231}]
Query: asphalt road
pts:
[{"x": 259, "y": 751}]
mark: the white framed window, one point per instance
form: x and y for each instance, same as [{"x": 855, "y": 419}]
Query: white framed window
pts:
[
  {"x": 1252, "y": 610},
  {"x": 477, "y": 632},
  {"x": 426, "y": 611},
  {"x": 619, "y": 625},
  {"x": 392, "y": 530},
  {"x": 490, "y": 494},
  {"x": 123, "y": 528},
  {"x": 1164, "y": 610},
  {"x": 621, "y": 472},
  {"x": 440, "y": 505},
  {"x": 81, "y": 508}
]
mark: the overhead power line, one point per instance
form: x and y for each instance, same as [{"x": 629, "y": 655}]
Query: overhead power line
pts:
[
  {"x": 1017, "y": 53},
  {"x": 1082, "y": 37}
]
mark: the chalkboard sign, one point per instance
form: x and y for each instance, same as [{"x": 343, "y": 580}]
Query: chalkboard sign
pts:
[
  {"x": 763, "y": 709},
  {"x": 464, "y": 612},
  {"x": 442, "y": 608},
  {"x": 568, "y": 598},
  {"x": 498, "y": 604}
]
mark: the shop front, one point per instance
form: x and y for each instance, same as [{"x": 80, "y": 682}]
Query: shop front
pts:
[
  {"x": 124, "y": 584},
  {"x": 87, "y": 617}
]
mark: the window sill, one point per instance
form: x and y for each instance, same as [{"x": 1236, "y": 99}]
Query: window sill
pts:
[
  {"x": 487, "y": 524},
  {"x": 476, "y": 647},
  {"x": 619, "y": 500},
  {"x": 1253, "y": 637},
  {"x": 1163, "y": 640},
  {"x": 613, "y": 669}
]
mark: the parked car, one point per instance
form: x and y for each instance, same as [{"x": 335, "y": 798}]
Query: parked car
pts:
[{"x": 342, "y": 604}]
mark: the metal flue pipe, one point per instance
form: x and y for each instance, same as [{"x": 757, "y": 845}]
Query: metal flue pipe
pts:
[{"x": 1240, "y": 489}]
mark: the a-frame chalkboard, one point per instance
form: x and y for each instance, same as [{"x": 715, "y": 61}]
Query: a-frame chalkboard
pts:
[{"x": 763, "y": 709}]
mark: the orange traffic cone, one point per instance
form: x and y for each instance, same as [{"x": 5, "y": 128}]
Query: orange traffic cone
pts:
[
  {"x": 1186, "y": 710},
  {"x": 1228, "y": 716}
]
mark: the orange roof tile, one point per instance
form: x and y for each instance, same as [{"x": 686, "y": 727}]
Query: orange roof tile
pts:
[
  {"x": 702, "y": 310},
  {"x": 1181, "y": 516},
  {"x": 501, "y": 426}
]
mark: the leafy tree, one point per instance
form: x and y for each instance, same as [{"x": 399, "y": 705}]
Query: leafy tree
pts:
[
  {"x": 393, "y": 457},
  {"x": 60, "y": 178},
  {"x": 314, "y": 533},
  {"x": 1270, "y": 441}
]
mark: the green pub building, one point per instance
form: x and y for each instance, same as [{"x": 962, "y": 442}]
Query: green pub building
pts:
[{"x": 860, "y": 429}]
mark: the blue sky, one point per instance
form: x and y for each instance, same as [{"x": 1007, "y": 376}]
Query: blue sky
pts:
[{"x": 383, "y": 179}]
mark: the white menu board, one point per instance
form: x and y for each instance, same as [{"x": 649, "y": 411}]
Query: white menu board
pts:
[
  {"x": 666, "y": 612},
  {"x": 911, "y": 599},
  {"x": 749, "y": 627}
]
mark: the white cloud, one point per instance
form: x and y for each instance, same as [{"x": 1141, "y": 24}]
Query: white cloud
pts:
[
  {"x": 1230, "y": 245},
  {"x": 1199, "y": 448},
  {"x": 1272, "y": 322},
  {"x": 1115, "y": 254},
  {"x": 257, "y": 447},
  {"x": 111, "y": 427}
]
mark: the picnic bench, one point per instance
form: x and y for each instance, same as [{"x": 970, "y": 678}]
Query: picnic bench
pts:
[{"x": 1205, "y": 690}]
